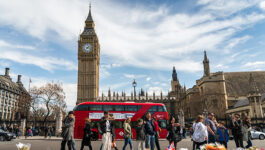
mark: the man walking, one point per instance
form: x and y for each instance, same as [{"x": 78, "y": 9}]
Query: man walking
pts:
[
  {"x": 68, "y": 131},
  {"x": 211, "y": 128},
  {"x": 236, "y": 127},
  {"x": 106, "y": 129},
  {"x": 150, "y": 132}
]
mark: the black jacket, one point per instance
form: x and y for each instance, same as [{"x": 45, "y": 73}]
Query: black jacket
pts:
[
  {"x": 236, "y": 127},
  {"x": 102, "y": 126},
  {"x": 87, "y": 134},
  {"x": 173, "y": 133},
  {"x": 140, "y": 133},
  {"x": 149, "y": 127}
]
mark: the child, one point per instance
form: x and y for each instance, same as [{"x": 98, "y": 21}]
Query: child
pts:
[
  {"x": 140, "y": 135},
  {"x": 222, "y": 134},
  {"x": 87, "y": 133}
]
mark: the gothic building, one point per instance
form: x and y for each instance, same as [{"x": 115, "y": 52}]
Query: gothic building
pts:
[
  {"x": 88, "y": 62},
  {"x": 225, "y": 93}
]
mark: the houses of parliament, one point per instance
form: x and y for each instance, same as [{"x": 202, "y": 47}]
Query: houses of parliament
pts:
[{"x": 223, "y": 93}]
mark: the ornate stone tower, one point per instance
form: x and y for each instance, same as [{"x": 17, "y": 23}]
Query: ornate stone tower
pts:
[
  {"x": 254, "y": 98},
  {"x": 88, "y": 62},
  {"x": 206, "y": 65}
]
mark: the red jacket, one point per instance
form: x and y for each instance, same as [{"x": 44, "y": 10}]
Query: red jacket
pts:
[{"x": 156, "y": 126}]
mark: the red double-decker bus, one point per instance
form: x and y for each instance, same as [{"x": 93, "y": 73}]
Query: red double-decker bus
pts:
[{"x": 120, "y": 111}]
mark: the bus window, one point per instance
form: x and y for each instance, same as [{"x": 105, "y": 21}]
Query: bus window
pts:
[
  {"x": 107, "y": 107},
  {"x": 161, "y": 108},
  {"x": 81, "y": 107},
  {"x": 118, "y": 124},
  {"x": 131, "y": 108},
  {"x": 162, "y": 124},
  {"x": 95, "y": 107},
  {"x": 153, "y": 109},
  {"x": 118, "y": 108}
]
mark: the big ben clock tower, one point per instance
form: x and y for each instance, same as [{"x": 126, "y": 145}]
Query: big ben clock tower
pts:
[{"x": 88, "y": 63}]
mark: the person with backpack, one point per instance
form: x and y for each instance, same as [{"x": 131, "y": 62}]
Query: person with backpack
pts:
[
  {"x": 127, "y": 134},
  {"x": 174, "y": 135},
  {"x": 200, "y": 134},
  {"x": 150, "y": 132},
  {"x": 140, "y": 135},
  {"x": 86, "y": 141},
  {"x": 222, "y": 134}
]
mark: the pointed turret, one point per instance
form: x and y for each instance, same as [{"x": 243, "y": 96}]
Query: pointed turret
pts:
[
  {"x": 252, "y": 85},
  {"x": 174, "y": 74},
  {"x": 89, "y": 17},
  {"x": 206, "y": 65}
]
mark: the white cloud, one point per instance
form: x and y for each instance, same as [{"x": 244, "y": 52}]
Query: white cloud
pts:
[
  {"x": 262, "y": 5},
  {"x": 148, "y": 78},
  {"x": 255, "y": 65},
  {"x": 5, "y": 44},
  {"x": 145, "y": 37},
  {"x": 47, "y": 63},
  {"x": 133, "y": 76}
]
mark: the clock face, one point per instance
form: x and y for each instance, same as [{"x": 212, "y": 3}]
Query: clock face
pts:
[{"x": 87, "y": 48}]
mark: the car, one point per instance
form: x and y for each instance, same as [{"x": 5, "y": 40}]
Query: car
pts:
[
  {"x": 6, "y": 136},
  {"x": 257, "y": 134}
]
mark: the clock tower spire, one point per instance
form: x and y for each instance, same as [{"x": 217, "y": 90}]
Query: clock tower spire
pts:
[{"x": 88, "y": 62}]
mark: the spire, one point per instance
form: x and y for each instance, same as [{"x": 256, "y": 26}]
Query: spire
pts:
[
  {"x": 252, "y": 85},
  {"x": 174, "y": 74},
  {"x": 206, "y": 65},
  {"x": 89, "y": 17}
]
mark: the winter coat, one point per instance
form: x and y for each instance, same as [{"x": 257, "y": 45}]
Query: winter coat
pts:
[
  {"x": 149, "y": 127},
  {"x": 173, "y": 133},
  {"x": 140, "y": 134},
  {"x": 68, "y": 129},
  {"x": 102, "y": 126},
  {"x": 236, "y": 128},
  {"x": 87, "y": 134},
  {"x": 246, "y": 131},
  {"x": 127, "y": 130},
  {"x": 222, "y": 134}
]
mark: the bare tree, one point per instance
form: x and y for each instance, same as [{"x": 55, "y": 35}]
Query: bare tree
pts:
[{"x": 50, "y": 96}]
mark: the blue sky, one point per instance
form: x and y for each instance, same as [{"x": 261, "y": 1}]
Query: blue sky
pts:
[{"x": 141, "y": 39}]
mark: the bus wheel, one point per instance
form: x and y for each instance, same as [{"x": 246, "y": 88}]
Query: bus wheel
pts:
[{"x": 94, "y": 136}]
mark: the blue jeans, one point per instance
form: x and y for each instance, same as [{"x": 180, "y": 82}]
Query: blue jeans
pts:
[
  {"x": 249, "y": 143},
  {"x": 73, "y": 144},
  {"x": 126, "y": 141},
  {"x": 150, "y": 140},
  {"x": 211, "y": 138}
]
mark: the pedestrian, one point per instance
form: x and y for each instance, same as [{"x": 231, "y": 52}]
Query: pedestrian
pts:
[
  {"x": 246, "y": 128},
  {"x": 236, "y": 127},
  {"x": 127, "y": 134},
  {"x": 211, "y": 127},
  {"x": 68, "y": 131},
  {"x": 17, "y": 131},
  {"x": 86, "y": 141},
  {"x": 149, "y": 132},
  {"x": 157, "y": 130},
  {"x": 140, "y": 135},
  {"x": 106, "y": 129},
  {"x": 30, "y": 132},
  {"x": 50, "y": 131},
  {"x": 200, "y": 133},
  {"x": 184, "y": 132},
  {"x": 174, "y": 134},
  {"x": 222, "y": 134}
]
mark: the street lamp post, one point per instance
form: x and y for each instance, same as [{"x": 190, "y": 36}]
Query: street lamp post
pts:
[{"x": 134, "y": 84}]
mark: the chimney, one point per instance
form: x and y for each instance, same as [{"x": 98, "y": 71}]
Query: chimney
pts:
[
  {"x": 19, "y": 79},
  {"x": 7, "y": 72}
]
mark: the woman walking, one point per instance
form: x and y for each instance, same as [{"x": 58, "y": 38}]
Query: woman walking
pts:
[
  {"x": 200, "y": 134},
  {"x": 127, "y": 134},
  {"x": 246, "y": 131},
  {"x": 86, "y": 135},
  {"x": 173, "y": 132}
]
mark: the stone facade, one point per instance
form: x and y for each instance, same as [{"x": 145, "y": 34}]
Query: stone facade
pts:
[
  {"x": 219, "y": 92},
  {"x": 13, "y": 98},
  {"x": 88, "y": 63}
]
